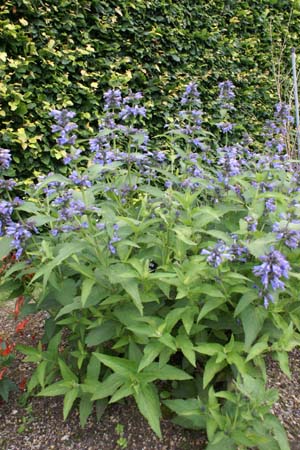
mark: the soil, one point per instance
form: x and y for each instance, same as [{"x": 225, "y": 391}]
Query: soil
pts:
[{"x": 39, "y": 424}]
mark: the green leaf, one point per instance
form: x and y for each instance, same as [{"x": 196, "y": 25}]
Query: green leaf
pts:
[
  {"x": 148, "y": 403},
  {"x": 274, "y": 424},
  {"x": 9, "y": 290},
  {"x": 169, "y": 341},
  {"x": 283, "y": 359},
  {"x": 167, "y": 372},
  {"x": 32, "y": 354},
  {"x": 66, "y": 372},
  {"x": 210, "y": 305},
  {"x": 41, "y": 373},
  {"x": 256, "y": 350},
  {"x": 83, "y": 269},
  {"x": 261, "y": 246},
  {"x": 211, "y": 369},
  {"x": 107, "y": 387},
  {"x": 188, "y": 318},
  {"x": 183, "y": 234},
  {"x": 189, "y": 413},
  {"x": 69, "y": 399},
  {"x": 210, "y": 290},
  {"x": 86, "y": 288},
  {"x": 121, "y": 366},
  {"x": 131, "y": 287},
  {"x": 85, "y": 409},
  {"x": 66, "y": 292},
  {"x": 102, "y": 333},
  {"x": 245, "y": 439},
  {"x": 58, "y": 388},
  {"x": 151, "y": 351},
  {"x": 65, "y": 252},
  {"x": 69, "y": 308},
  {"x": 93, "y": 368},
  {"x": 5, "y": 246},
  {"x": 252, "y": 320},
  {"x": 220, "y": 235},
  {"x": 173, "y": 317},
  {"x": 221, "y": 442},
  {"x": 244, "y": 301},
  {"x": 187, "y": 348},
  {"x": 210, "y": 349},
  {"x": 122, "y": 392},
  {"x": 6, "y": 386}
]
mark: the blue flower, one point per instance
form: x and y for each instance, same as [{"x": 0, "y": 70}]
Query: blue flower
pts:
[
  {"x": 5, "y": 158},
  {"x": 20, "y": 234},
  {"x": 115, "y": 238},
  {"x": 229, "y": 160},
  {"x": 225, "y": 127},
  {"x": 274, "y": 266},
  {"x": 226, "y": 94},
  {"x": 220, "y": 253},
  {"x": 112, "y": 99},
  {"x": 7, "y": 185},
  {"x": 191, "y": 94},
  {"x": 252, "y": 223},
  {"x": 64, "y": 126},
  {"x": 270, "y": 204},
  {"x": 132, "y": 111},
  {"x": 290, "y": 237},
  {"x": 80, "y": 180}
]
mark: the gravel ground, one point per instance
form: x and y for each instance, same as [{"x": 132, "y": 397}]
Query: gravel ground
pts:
[{"x": 40, "y": 425}]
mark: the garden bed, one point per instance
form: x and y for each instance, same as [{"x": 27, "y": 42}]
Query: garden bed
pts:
[{"x": 40, "y": 425}]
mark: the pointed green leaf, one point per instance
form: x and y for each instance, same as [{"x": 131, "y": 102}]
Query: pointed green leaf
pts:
[
  {"x": 93, "y": 368},
  {"x": 69, "y": 308},
  {"x": 66, "y": 372},
  {"x": 131, "y": 287},
  {"x": 167, "y": 372},
  {"x": 221, "y": 442},
  {"x": 151, "y": 351},
  {"x": 211, "y": 369},
  {"x": 187, "y": 348},
  {"x": 207, "y": 348},
  {"x": 148, "y": 403},
  {"x": 173, "y": 317},
  {"x": 252, "y": 320},
  {"x": 122, "y": 392},
  {"x": 283, "y": 359},
  {"x": 121, "y": 366},
  {"x": 256, "y": 350},
  {"x": 65, "y": 252},
  {"x": 107, "y": 387},
  {"x": 169, "y": 341},
  {"x": 41, "y": 372},
  {"x": 86, "y": 288},
  {"x": 210, "y": 305},
  {"x": 85, "y": 409},
  {"x": 5, "y": 246},
  {"x": 69, "y": 399},
  {"x": 59, "y": 388},
  {"x": 102, "y": 333},
  {"x": 244, "y": 301},
  {"x": 274, "y": 424}
]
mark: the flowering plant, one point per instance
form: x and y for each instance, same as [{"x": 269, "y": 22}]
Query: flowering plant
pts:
[{"x": 167, "y": 259}]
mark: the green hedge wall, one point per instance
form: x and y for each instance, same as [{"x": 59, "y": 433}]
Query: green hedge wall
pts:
[{"x": 65, "y": 53}]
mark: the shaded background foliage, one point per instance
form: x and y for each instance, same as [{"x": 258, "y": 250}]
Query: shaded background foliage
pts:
[{"x": 65, "y": 53}]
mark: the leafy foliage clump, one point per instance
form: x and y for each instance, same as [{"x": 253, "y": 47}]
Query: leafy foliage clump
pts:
[
  {"x": 173, "y": 261},
  {"x": 68, "y": 52}
]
